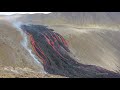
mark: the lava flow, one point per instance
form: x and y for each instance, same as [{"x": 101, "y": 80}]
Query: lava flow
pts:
[{"x": 52, "y": 49}]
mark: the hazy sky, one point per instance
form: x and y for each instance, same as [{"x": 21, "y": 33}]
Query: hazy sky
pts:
[{"x": 10, "y": 13}]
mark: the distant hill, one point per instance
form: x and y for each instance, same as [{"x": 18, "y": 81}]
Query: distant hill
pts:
[
  {"x": 99, "y": 48},
  {"x": 90, "y": 19}
]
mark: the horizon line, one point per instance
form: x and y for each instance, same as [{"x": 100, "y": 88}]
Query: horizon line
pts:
[{"x": 12, "y": 13}]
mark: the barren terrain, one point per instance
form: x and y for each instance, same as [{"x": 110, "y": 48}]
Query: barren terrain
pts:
[
  {"x": 14, "y": 57},
  {"x": 93, "y": 38}
]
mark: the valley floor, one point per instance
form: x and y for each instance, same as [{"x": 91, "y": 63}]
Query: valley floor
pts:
[{"x": 17, "y": 72}]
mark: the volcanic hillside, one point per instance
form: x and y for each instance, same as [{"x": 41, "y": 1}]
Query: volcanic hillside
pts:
[
  {"x": 15, "y": 61},
  {"x": 93, "y": 37},
  {"x": 53, "y": 51},
  {"x": 90, "y": 43}
]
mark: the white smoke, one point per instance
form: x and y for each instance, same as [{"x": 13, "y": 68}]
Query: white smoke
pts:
[{"x": 24, "y": 42}]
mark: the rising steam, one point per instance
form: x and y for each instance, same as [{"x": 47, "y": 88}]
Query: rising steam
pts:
[{"x": 24, "y": 42}]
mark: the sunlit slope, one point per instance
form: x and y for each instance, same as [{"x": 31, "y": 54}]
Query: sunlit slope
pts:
[
  {"x": 79, "y": 19},
  {"x": 11, "y": 51},
  {"x": 53, "y": 50},
  {"x": 93, "y": 36},
  {"x": 94, "y": 47}
]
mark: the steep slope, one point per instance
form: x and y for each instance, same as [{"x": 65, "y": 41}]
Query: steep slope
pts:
[
  {"x": 15, "y": 61},
  {"x": 11, "y": 52},
  {"x": 93, "y": 36},
  {"x": 53, "y": 51}
]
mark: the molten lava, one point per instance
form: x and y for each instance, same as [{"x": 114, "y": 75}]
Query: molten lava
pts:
[{"x": 53, "y": 51}]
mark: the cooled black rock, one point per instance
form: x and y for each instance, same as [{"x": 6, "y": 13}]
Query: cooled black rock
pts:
[{"x": 53, "y": 51}]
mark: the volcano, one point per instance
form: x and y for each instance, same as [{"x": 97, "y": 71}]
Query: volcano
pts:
[{"x": 65, "y": 44}]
